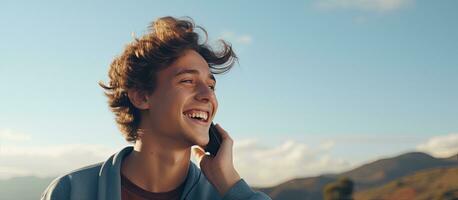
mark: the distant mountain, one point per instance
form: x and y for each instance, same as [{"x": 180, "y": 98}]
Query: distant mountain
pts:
[
  {"x": 369, "y": 175},
  {"x": 23, "y": 188},
  {"x": 298, "y": 189},
  {"x": 385, "y": 170},
  {"x": 452, "y": 158},
  {"x": 440, "y": 184}
]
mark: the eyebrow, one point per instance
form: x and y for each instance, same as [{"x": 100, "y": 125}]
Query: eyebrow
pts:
[{"x": 193, "y": 71}]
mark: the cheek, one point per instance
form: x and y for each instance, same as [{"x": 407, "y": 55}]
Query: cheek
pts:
[
  {"x": 174, "y": 96},
  {"x": 176, "y": 101},
  {"x": 168, "y": 103}
]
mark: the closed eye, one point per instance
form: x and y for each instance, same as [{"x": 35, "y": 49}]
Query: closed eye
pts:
[{"x": 212, "y": 87}]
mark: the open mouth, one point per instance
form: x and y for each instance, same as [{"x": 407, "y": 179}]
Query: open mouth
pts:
[{"x": 199, "y": 117}]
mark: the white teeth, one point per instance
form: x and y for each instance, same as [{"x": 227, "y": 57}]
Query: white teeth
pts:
[{"x": 203, "y": 115}]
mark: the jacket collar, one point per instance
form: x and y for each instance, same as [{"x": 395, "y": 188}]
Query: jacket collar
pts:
[{"x": 109, "y": 186}]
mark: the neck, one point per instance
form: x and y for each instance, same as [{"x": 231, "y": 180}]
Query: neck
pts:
[{"x": 157, "y": 164}]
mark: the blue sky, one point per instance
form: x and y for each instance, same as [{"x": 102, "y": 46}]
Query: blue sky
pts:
[{"x": 359, "y": 79}]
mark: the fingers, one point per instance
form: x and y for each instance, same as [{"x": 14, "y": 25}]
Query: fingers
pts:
[
  {"x": 223, "y": 133},
  {"x": 226, "y": 145}
]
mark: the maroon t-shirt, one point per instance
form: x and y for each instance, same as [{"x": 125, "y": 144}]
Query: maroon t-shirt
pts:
[{"x": 130, "y": 191}]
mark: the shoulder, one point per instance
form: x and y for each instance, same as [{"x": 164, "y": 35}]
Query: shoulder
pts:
[
  {"x": 85, "y": 174},
  {"x": 59, "y": 188},
  {"x": 90, "y": 182},
  {"x": 84, "y": 179}
]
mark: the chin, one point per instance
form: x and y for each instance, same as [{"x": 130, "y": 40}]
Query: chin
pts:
[
  {"x": 202, "y": 140},
  {"x": 197, "y": 135}
]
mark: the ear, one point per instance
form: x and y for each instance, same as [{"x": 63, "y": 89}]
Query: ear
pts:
[{"x": 138, "y": 98}]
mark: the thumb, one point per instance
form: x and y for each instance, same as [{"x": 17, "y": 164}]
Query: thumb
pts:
[
  {"x": 202, "y": 158},
  {"x": 198, "y": 152}
]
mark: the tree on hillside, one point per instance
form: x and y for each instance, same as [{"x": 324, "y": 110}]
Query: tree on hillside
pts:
[
  {"x": 448, "y": 195},
  {"x": 342, "y": 189}
]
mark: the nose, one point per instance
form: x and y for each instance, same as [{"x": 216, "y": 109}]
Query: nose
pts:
[{"x": 204, "y": 93}]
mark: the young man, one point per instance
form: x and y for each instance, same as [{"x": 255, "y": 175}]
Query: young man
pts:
[{"x": 162, "y": 92}]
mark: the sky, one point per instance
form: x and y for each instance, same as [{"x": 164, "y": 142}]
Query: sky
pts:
[{"x": 321, "y": 85}]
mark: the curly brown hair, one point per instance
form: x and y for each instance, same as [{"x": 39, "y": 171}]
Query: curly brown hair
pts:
[{"x": 168, "y": 38}]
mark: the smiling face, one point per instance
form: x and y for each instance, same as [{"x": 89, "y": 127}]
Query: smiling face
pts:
[{"x": 185, "y": 91}]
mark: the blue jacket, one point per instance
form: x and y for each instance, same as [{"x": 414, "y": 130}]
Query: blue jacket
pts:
[{"x": 102, "y": 181}]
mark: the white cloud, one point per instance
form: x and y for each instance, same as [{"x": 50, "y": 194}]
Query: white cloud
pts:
[
  {"x": 237, "y": 38},
  {"x": 365, "y": 5},
  {"x": 327, "y": 145},
  {"x": 441, "y": 146},
  {"x": 9, "y": 135},
  {"x": 51, "y": 160},
  {"x": 9, "y": 172},
  {"x": 267, "y": 166},
  {"x": 244, "y": 39}
]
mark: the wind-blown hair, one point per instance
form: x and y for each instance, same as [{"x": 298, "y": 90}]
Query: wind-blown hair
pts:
[{"x": 167, "y": 39}]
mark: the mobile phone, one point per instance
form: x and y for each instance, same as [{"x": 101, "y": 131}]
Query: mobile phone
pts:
[{"x": 215, "y": 140}]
